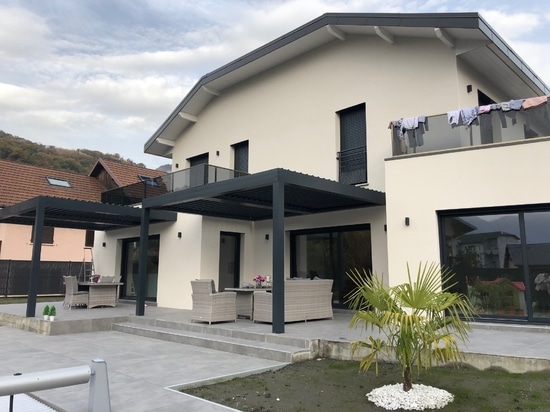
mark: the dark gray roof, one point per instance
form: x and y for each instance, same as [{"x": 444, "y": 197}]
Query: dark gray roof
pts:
[{"x": 326, "y": 28}]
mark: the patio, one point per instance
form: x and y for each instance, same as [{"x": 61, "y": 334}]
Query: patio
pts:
[{"x": 145, "y": 373}]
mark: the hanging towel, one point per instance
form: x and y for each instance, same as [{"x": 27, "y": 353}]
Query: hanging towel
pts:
[
  {"x": 468, "y": 115},
  {"x": 484, "y": 109},
  {"x": 454, "y": 118},
  {"x": 534, "y": 102},
  {"x": 516, "y": 104}
]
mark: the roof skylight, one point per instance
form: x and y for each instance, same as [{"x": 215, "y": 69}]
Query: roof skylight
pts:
[{"x": 58, "y": 182}]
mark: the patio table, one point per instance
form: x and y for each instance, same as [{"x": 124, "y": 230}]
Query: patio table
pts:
[
  {"x": 245, "y": 300},
  {"x": 101, "y": 293}
]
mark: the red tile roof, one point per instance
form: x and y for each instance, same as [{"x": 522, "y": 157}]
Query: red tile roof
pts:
[
  {"x": 20, "y": 182},
  {"x": 124, "y": 174}
]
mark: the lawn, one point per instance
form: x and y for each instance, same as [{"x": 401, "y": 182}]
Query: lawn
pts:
[{"x": 331, "y": 385}]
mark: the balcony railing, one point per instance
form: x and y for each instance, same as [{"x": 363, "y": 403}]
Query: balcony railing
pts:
[
  {"x": 198, "y": 175},
  {"x": 493, "y": 127}
]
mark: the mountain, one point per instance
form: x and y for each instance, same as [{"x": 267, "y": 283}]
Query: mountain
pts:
[{"x": 17, "y": 149}]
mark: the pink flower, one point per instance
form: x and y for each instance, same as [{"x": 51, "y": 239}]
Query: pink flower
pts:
[{"x": 259, "y": 278}]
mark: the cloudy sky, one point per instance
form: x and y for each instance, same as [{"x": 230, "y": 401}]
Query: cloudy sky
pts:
[{"x": 105, "y": 74}]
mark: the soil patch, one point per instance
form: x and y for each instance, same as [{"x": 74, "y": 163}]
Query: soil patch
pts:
[{"x": 331, "y": 385}]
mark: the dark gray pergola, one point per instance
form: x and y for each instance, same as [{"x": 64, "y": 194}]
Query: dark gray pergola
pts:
[
  {"x": 273, "y": 194},
  {"x": 72, "y": 214}
]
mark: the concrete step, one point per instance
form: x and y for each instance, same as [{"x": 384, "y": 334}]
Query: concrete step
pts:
[{"x": 184, "y": 334}]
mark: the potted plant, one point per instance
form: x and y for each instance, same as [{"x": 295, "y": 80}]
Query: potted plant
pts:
[
  {"x": 52, "y": 313},
  {"x": 46, "y": 312}
]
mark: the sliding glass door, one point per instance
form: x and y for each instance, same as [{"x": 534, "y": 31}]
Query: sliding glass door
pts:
[
  {"x": 130, "y": 262},
  {"x": 329, "y": 253}
]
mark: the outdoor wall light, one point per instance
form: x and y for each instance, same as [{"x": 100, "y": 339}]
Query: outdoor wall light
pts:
[
  {"x": 217, "y": 152},
  {"x": 267, "y": 236},
  {"x": 104, "y": 244},
  {"x": 179, "y": 235},
  {"x": 177, "y": 165},
  {"x": 407, "y": 221}
]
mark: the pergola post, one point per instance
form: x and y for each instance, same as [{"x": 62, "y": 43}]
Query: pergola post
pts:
[
  {"x": 35, "y": 260},
  {"x": 142, "y": 263},
  {"x": 278, "y": 289}
]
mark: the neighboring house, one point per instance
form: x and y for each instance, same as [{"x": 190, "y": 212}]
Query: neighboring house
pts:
[
  {"x": 21, "y": 182},
  {"x": 342, "y": 145},
  {"x": 60, "y": 246}
]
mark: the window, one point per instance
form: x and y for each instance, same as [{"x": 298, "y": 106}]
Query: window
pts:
[
  {"x": 501, "y": 258},
  {"x": 47, "y": 234},
  {"x": 198, "y": 172},
  {"x": 240, "y": 153},
  {"x": 90, "y": 237},
  {"x": 58, "y": 182},
  {"x": 353, "y": 150},
  {"x": 149, "y": 181}
]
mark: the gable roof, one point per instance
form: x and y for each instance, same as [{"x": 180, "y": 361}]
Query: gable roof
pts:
[
  {"x": 471, "y": 37},
  {"x": 20, "y": 182},
  {"x": 122, "y": 173}
]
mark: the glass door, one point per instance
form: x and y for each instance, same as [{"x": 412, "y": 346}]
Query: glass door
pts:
[{"x": 130, "y": 263}]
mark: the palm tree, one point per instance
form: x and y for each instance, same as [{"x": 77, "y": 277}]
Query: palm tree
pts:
[{"x": 421, "y": 321}]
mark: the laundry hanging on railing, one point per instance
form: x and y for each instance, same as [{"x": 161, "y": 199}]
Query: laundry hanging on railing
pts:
[
  {"x": 468, "y": 115},
  {"x": 411, "y": 130}
]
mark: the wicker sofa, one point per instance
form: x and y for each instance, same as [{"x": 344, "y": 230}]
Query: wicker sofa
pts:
[{"x": 304, "y": 300}]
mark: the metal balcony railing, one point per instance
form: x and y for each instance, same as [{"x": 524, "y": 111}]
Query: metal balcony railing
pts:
[
  {"x": 494, "y": 127},
  {"x": 198, "y": 175},
  {"x": 353, "y": 165}
]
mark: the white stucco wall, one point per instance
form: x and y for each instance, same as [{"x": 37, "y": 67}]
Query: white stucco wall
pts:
[
  {"x": 289, "y": 114},
  {"x": 419, "y": 186}
]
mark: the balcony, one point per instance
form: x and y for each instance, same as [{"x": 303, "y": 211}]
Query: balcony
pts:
[
  {"x": 496, "y": 126},
  {"x": 198, "y": 175}
]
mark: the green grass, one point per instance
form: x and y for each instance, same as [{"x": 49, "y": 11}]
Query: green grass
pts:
[{"x": 330, "y": 385}]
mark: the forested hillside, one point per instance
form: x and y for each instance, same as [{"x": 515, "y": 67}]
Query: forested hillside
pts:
[{"x": 17, "y": 149}]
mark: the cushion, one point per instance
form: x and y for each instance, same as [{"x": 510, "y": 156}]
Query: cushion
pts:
[{"x": 106, "y": 279}]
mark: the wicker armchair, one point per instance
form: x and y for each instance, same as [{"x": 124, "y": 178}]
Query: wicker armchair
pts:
[
  {"x": 72, "y": 296},
  {"x": 209, "y": 306}
]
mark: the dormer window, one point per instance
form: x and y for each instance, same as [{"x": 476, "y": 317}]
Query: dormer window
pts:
[
  {"x": 149, "y": 181},
  {"x": 58, "y": 182}
]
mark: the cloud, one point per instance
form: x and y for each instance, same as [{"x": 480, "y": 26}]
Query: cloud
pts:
[
  {"x": 513, "y": 25},
  {"x": 23, "y": 34}
]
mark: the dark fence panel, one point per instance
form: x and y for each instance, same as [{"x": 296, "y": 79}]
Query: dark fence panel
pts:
[{"x": 15, "y": 275}]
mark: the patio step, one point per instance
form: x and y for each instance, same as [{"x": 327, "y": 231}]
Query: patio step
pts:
[{"x": 191, "y": 335}]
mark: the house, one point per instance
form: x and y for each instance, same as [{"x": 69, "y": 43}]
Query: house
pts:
[
  {"x": 385, "y": 103},
  {"x": 358, "y": 140},
  {"x": 64, "y": 248}
]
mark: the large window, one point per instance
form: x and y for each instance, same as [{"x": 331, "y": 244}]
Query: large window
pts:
[
  {"x": 501, "y": 259},
  {"x": 330, "y": 253},
  {"x": 353, "y": 140}
]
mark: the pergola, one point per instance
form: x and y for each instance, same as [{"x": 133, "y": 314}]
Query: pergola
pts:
[
  {"x": 72, "y": 214},
  {"x": 274, "y": 194}
]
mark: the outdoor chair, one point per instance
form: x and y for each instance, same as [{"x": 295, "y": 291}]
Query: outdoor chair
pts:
[
  {"x": 72, "y": 296},
  {"x": 209, "y": 306}
]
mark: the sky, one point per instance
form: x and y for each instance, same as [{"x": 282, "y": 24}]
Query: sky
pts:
[{"x": 105, "y": 74}]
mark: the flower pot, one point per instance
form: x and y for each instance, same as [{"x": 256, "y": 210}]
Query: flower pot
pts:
[
  {"x": 46, "y": 317},
  {"x": 52, "y": 318}
]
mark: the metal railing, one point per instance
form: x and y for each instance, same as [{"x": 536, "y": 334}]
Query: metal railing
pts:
[
  {"x": 494, "y": 127},
  {"x": 198, "y": 175},
  {"x": 99, "y": 399},
  {"x": 353, "y": 165}
]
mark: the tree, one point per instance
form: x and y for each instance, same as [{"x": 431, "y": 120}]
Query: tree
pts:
[{"x": 421, "y": 320}]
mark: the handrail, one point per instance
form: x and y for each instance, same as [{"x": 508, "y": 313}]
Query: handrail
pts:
[{"x": 98, "y": 401}]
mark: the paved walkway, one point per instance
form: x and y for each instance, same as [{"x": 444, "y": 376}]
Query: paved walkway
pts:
[{"x": 142, "y": 370}]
